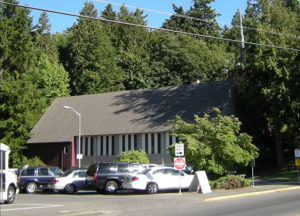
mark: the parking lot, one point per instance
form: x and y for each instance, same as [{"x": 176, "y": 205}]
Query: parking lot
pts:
[{"x": 92, "y": 203}]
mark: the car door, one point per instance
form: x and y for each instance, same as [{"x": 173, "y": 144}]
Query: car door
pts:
[
  {"x": 79, "y": 179},
  {"x": 161, "y": 178},
  {"x": 44, "y": 177}
]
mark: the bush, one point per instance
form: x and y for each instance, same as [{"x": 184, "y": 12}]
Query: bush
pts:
[
  {"x": 134, "y": 156},
  {"x": 230, "y": 182},
  {"x": 16, "y": 160}
]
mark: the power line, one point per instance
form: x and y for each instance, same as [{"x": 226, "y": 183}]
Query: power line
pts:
[
  {"x": 150, "y": 28},
  {"x": 198, "y": 19}
]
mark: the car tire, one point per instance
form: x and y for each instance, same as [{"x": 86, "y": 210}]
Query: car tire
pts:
[
  {"x": 111, "y": 187},
  {"x": 69, "y": 189},
  {"x": 30, "y": 187},
  {"x": 152, "y": 188},
  {"x": 11, "y": 194}
]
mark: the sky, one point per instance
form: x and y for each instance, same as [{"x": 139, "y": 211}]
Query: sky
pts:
[{"x": 59, "y": 23}]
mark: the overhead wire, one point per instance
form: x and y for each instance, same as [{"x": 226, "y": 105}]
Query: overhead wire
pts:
[
  {"x": 149, "y": 27},
  {"x": 198, "y": 19}
]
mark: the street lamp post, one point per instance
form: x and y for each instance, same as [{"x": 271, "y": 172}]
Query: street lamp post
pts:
[{"x": 79, "y": 156}]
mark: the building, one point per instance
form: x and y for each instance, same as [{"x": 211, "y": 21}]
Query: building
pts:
[{"x": 120, "y": 121}]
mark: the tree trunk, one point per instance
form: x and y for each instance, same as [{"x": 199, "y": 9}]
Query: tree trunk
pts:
[{"x": 278, "y": 148}]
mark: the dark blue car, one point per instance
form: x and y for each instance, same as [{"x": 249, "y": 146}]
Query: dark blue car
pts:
[{"x": 34, "y": 178}]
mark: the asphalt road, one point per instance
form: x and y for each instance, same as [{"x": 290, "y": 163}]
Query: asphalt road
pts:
[{"x": 130, "y": 204}]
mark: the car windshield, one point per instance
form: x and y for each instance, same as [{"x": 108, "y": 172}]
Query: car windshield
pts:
[
  {"x": 68, "y": 172},
  {"x": 56, "y": 171},
  {"x": 144, "y": 171}
]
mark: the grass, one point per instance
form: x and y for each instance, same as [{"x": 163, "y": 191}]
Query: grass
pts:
[{"x": 286, "y": 174}]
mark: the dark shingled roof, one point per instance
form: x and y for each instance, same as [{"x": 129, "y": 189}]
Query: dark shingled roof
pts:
[{"x": 126, "y": 112}]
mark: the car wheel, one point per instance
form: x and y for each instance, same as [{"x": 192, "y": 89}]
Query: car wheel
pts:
[
  {"x": 69, "y": 189},
  {"x": 30, "y": 187},
  {"x": 111, "y": 187},
  {"x": 100, "y": 190},
  {"x": 152, "y": 188},
  {"x": 11, "y": 194}
]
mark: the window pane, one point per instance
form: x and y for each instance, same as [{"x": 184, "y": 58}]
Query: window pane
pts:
[{"x": 43, "y": 171}]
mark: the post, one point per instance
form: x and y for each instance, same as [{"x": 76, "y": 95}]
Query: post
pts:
[
  {"x": 79, "y": 156},
  {"x": 79, "y": 140}
]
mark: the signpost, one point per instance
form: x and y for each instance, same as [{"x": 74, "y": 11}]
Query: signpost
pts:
[
  {"x": 179, "y": 150},
  {"x": 179, "y": 164},
  {"x": 297, "y": 161},
  {"x": 179, "y": 161}
]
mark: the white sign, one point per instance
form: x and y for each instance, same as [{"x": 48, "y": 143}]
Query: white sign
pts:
[
  {"x": 179, "y": 163},
  {"x": 79, "y": 156},
  {"x": 179, "y": 150},
  {"x": 297, "y": 153},
  {"x": 200, "y": 182}
]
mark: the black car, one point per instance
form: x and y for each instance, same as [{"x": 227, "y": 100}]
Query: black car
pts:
[
  {"x": 108, "y": 176},
  {"x": 33, "y": 178}
]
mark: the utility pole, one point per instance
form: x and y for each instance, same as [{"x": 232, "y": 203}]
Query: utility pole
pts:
[{"x": 242, "y": 45}]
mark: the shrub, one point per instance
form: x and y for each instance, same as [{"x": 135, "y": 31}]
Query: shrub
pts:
[
  {"x": 230, "y": 182},
  {"x": 134, "y": 156}
]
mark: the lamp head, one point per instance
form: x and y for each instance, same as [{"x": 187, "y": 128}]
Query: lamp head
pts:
[{"x": 66, "y": 107}]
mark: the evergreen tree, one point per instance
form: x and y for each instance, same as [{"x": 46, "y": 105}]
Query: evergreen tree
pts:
[
  {"x": 269, "y": 78},
  {"x": 91, "y": 56},
  {"x": 20, "y": 99},
  {"x": 205, "y": 22}
]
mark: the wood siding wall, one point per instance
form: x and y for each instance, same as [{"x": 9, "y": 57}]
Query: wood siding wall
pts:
[{"x": 53, "y": 154}]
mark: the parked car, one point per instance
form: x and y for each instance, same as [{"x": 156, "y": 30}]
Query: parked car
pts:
[
  {"x": 108, "y": 176},
  {"x": 157, "y": 179},
  {"x": 71, "y": 181},
  {"x": 33, "y": 178}
]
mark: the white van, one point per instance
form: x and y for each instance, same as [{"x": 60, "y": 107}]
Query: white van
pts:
[{"x": 8, "y": 178}]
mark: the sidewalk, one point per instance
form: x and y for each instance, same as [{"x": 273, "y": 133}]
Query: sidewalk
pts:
[{"x": 260, "y": 187}]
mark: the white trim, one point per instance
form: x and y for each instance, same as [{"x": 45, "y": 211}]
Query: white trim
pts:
[
  {"x": 104, "y": 145},
  {"x": 167, "y": 142},
  {"x": 98, "y": 145},
  {"x": 120, "y": 144},
  {"x": 155, "y": 143},
  {"x": 89, "y": 146},
  {"x": 83, "y": 146},
  {"x": 143, "y": 142},
  {"x": 132, "y": 142},
  {"x": 110, "y": 145},
  {"x": 126, "y": 143},
  {"x": 149, "y": 143}
]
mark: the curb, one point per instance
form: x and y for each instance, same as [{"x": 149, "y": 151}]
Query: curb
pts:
[{"x": 250, "y": 194}]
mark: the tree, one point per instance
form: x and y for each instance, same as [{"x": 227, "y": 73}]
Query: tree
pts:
[
  {"x": 21, "y": 101},
  {"x": 134, "y": 156},
  {"x": 204, "y": 22},
  {"x": 91, "y": 60},
  {"x": 214, "y": 144},
  {"x": 180, "y": 59},
  {"x": 269, "y": 78}
]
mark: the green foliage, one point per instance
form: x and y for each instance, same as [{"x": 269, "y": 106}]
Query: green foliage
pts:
[
  {"x": 21, "y": 102},
  {"x": 268, "y": 87},
  {"x": 134, "y": 156},
  {"x": 214, "y": 144},
  {"x": 91, "y": 57},
  {"x": 16, "y": 160},
  {"x": 229, "y": 182}
]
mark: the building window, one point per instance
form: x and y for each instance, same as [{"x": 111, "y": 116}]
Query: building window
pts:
[
  {"x": 135, "y": 142},
  {"x": 152, "y": 143},
  {"x": 158, "y": 143},
  {"x": 86, "y": 146},
  {"x": 113, "y": 145},
  {"x": 107, "y": 145},
  {"x": 146, "y": 143},
  {"x": 123, "y": 143},
  {"x": 92, "y": 145},
  {"x": 66, "y": 150}
]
